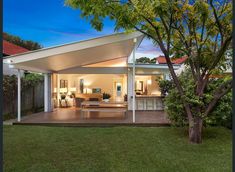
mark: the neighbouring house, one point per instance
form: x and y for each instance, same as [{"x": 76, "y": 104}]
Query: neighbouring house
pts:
[
  {"x": 177, "y": 61},
  {"x": 162, "y": 60},
  {"x": 80, "y": 72},
  {"x": 181, "y": 61},
  {"x": 10, "y": 49}
]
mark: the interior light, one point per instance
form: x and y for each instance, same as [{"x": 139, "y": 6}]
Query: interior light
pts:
[
  {"x": 9, "y": 61},
  {"x": 149, "y": 82}
]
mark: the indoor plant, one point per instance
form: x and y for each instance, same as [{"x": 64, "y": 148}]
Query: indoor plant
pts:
[{"x": 106, "y": 96}]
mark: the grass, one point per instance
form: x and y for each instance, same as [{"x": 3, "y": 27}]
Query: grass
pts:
[{"x": 124, "y": 149}]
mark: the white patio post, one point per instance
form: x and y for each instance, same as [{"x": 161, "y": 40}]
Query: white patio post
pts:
[
  {"x": 47, "y": 92},
  {"x": 58, "y": 90},
  {"x": 133, "y": 82},
  {"x": 19, "y": 96},
  {"x": 46, "y": 89}
]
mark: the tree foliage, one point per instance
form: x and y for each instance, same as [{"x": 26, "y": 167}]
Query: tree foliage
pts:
[
  {"x": 165, "y": 86},
  {"x": 221, "y": 115},
  {"x": 30, "y": 45},
  {"x": 146, "y": 60},
  {"x": 31, "y": 80},
  {"x": 200, "y": 29}
]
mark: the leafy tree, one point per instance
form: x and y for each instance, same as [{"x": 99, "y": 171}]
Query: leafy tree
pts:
[
  {"x": 30, "y": 45},
  {"x": 153, "y": 60},
  {"x": 146, "y": 60},
  {"x": 200, "y": 29},
  {"x": 221, "y": 115},
  {"x": 165, "y": 86}
]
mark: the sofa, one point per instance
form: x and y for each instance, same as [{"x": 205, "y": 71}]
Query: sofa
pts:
[{"x": 79, "y": 98}]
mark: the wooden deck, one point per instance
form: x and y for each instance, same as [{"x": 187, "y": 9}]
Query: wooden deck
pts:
[{"x": 72, "y": 117}]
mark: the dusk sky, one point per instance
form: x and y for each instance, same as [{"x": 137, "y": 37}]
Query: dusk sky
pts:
[{"x": 51, "y": 23}]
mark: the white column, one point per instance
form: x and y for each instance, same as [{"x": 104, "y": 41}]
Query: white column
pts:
[
  {"x": 129, "y": 88},
  {"x": 133, "y": 82},
  {"x": 46, "y": 90},
  {"x": 19, "y": 97},
  {"x": 50, "y": 108},
  {"x": 58, "y": 90}
]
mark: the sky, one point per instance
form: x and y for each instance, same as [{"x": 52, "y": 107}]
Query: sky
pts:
[{"x": 51, "y": 23}]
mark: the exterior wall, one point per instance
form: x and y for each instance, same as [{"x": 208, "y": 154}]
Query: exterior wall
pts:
[{"x": 167, "y": 76}]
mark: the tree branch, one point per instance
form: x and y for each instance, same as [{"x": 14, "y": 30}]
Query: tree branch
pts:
[
  {"x": 220, "y": 92},
  {"x": 217, "y": 20},
  {"x": 220, "y": 52}
]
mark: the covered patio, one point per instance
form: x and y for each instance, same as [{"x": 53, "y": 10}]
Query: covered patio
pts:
[{"x": 113, "y": 56}]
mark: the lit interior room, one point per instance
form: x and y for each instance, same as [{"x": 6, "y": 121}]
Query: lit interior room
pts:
[
  {"x": 147, "y": 85},
  {"x": 89, "y": 87}
]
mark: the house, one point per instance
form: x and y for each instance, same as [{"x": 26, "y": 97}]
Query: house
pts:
[
  {"x": 8, "y": 50},
  {"x": 178, "y": 61},
  {"x": 84, "y": 70},
  {"x": 162, "y": 60}
]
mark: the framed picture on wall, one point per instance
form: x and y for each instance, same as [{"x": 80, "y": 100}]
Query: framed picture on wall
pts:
[
  {"x": 96, "y": 90},
  {"x": 63, "y": 83}
]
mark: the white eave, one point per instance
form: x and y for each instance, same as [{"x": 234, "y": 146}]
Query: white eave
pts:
[
  {"x": 78, "y": 54},
  {"x": 154, "y": 66}
]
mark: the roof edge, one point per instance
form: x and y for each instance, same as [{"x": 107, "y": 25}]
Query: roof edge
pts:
[{"x": 71, "y": 43}]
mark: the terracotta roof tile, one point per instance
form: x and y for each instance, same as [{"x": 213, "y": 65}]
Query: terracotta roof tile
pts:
[
  {"x": 162, "y": 60},
  {"x": 180, "y": 60},
  {"x": 11, "y": 49}
]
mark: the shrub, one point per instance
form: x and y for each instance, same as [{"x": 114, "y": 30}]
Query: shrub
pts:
[
  {"x": 221, "y": 114},
  {"x": 165, "y": 86}
]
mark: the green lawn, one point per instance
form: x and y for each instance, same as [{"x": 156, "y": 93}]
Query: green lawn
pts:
[{"x": 43, "y": 149}]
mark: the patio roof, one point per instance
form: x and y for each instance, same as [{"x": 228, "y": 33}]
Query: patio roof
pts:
[{"x": 77, "y": 54}]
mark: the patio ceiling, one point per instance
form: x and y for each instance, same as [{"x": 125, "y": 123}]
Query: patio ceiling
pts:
[{"x": 78, "y": 54}]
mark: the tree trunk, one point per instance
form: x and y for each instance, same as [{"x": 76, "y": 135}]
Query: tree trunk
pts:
[{"x": 195, "y": 131}]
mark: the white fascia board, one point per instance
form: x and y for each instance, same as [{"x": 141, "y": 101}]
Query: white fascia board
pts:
[
  {"x": 66, "y": 48},
  {"x": 154, "y": 66},
  {"x": 29, "y": 68}
]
